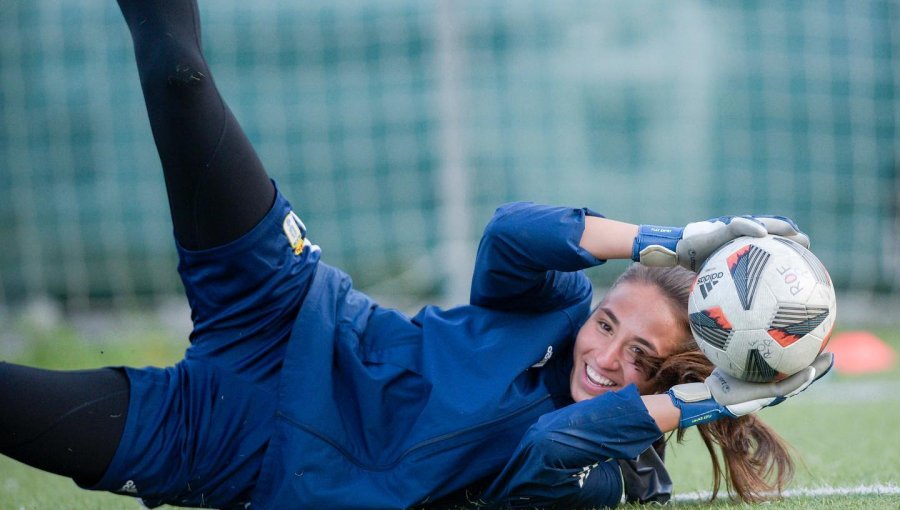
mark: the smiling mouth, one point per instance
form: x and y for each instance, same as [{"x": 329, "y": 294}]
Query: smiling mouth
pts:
[{"x": 596, "y": 378}]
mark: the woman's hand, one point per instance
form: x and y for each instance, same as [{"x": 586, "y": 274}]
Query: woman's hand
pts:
[
  {"x": 722, "y": 395},
  {"x": 690, "y": 246}
]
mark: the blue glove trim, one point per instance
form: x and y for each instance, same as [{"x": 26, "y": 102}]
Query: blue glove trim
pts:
[
  {"x": 698, "y": 413},
  {"x": 777, "y": 401},
  {"x": 650, "y": 235},
  {"x": 785, "y": 219}
]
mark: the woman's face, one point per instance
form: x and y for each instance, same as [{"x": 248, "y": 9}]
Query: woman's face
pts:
[{"x": 633, "y": 320}]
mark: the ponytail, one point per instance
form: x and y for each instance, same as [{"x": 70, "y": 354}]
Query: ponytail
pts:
[{"x": 757, "y": 461}]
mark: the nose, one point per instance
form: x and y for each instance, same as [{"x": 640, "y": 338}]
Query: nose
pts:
[{"x": 608, "y": 356}]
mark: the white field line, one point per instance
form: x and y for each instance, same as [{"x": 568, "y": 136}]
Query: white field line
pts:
[
  {"x": 830, "y": 391},
  {"x": 860, "y": 490}
]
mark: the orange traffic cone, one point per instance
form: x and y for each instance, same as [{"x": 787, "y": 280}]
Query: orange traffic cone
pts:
[{"x": 860, "y": 352}]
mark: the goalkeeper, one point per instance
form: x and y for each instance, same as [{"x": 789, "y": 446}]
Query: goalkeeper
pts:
[{"x": 297, "y": 391}]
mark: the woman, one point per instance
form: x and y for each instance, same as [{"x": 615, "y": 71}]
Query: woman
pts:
[{"x": 298, "y": 391}]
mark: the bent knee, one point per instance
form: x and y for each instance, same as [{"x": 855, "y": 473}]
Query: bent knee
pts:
[
  {"x": 174, "y": 65},
  {"x": 185, "y": 75}
]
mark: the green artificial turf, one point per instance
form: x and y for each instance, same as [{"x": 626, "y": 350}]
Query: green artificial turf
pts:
[{"x": 844, "y": 429}]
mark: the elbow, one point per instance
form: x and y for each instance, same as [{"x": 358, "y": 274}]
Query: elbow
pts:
[{"x": 504, "y": 222}]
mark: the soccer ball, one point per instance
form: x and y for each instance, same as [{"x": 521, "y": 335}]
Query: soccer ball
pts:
[{"x": 762, "y": 308}]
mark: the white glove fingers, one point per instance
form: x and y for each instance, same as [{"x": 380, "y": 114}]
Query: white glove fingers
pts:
[
  {"x": 822, "y": 364},
  {"x": 777, "y": 226},
  {"x": 752, "y": 406},
  {"x": 728, "y": 390},
  {"x": 800, "y": 238},
  {"x": 795, "y": 383},
  {"x": 740, "y": 398},
  {"x": 784, "y": 227},
  {"x": 745, "y": 226}
]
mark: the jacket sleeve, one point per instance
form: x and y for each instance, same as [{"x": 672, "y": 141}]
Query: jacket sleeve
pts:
[
  {"x": 568, "y": 458},
  {"x": 529, "y": 259}
]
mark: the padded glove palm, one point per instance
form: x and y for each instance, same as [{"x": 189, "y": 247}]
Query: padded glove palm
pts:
[{"x": 723, "y": 395}]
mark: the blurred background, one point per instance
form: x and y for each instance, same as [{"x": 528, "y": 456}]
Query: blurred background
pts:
[{"x": 396, "y": 127}]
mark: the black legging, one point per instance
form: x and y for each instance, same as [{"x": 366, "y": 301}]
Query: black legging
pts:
[{"x": 70, "y": 423}]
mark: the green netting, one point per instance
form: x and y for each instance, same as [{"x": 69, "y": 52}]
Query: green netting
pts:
[{"x": 363, "y": 111}]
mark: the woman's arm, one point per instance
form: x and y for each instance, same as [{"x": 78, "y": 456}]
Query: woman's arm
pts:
[
  {"x": 663, "y": 411},
  {"x": 567, "y": 459},
  {"x": 524, "y": 241},
  {"x": 581, "y": 456},
  {"x": 529, "y": 259},
  {"x": 608, "y": 239},
  {"x": 530, "y": 255}
]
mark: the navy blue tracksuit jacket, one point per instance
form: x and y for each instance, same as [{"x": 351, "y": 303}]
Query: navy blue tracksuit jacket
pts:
[
  {"x": 300, "y": 392},
  {"x": 379, "y": 410}
]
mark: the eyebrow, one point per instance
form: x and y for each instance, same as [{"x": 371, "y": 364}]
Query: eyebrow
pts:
[{"x": 615, "y": 321}]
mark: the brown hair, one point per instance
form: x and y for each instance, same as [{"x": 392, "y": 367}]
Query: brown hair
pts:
[{"x": 757, "y": 460}]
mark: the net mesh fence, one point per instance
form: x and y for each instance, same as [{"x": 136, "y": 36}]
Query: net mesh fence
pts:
[{"x": 396, "y": 127}]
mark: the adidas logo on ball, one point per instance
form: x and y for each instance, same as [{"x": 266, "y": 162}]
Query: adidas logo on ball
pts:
[{"x": 706, "y": 282}]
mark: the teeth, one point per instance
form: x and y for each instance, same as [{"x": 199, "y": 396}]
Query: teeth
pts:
[{"x": 596, "y": 378}]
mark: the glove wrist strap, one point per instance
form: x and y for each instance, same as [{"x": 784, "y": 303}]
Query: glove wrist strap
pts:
[
  {"x": 699, "y": 412},
  {"x": 655, "y": 239}
]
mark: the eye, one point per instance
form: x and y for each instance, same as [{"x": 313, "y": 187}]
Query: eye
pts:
[
  {"x": 635, "y": 352},
  {"x": 604, "y": 326}
]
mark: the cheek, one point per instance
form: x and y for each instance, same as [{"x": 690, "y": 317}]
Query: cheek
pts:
[
  {"x": 582, "y": 341},
  {"x": 636, "y": 377}
]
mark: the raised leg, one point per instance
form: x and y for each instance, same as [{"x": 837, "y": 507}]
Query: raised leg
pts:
[{"x": 217, "y": 186}]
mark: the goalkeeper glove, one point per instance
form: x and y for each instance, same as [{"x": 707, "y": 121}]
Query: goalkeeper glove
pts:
[
  {"x": 723, "y": 395},
  {"x": 691, "y": 245}
]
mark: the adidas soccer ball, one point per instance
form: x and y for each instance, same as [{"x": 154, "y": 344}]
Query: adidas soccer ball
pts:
[{"x": 762, "y": 308}]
